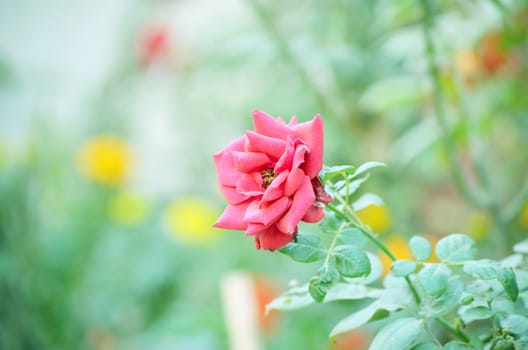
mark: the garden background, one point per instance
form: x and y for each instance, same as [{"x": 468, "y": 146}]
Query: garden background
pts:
[{"x": 110, "y": 112}]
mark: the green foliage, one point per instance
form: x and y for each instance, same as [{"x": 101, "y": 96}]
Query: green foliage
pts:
[
  {"x": 295, "y": 298},
  {"x": 402, "y": 268},
  {"x": 351, "y": 261},
  {"x": 456, "y": 248},
  {"x": 506, "y": 277},
  {"x": 478, "y": 290},
  {"x": 400, "y": 334},
  {"x": 308, "y": 248},
  {"x": 420, "y": 247},
  {"x": 390, "y": 300},
  {"x": 463, "y": 289}
]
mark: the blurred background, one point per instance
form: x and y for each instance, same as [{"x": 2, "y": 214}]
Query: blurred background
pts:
[{"x": 110, "y": 112}]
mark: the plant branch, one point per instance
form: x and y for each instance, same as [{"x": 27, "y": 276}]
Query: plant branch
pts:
[
  {"x": 459, "y": 179},
  {"x": 285, "y": 50},
  {"x": 351, "y": 217},
  {"x": 457, "y": 332}
]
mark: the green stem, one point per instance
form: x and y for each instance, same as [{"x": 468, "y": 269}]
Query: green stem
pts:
[
  {"x": 352, "y": 219},
  {"x": 287, "y": 53},
  {"x": 333, "y": 244},
  {"x": 457, "y": 332},
  {"x": 438, "y": 98},
  {"x": 472, "y": 194}
]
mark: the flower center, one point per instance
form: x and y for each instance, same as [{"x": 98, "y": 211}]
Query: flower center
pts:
[{"x": 267, "y": 176}]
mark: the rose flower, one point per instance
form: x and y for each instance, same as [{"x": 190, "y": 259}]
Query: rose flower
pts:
[{"x": 269, "y": 178}]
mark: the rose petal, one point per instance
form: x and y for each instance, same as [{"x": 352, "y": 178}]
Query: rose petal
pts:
[
  {"x": 232, "y": 195},
  {"x": 286, "y": 159},
  {"x": 253, "y": 228},
  {"x": 232, "y": 217},
  {"x": 272, "y": 238},
  {"x": 314, "y": 214},
  {"x": 300, "y": 154},
  {"x": 264, "y": 144},
  {"x": 276, "y": 189},
  {"x": 250, "y": 161},
  {"x": 268, "y": 212},
  {"x": 312, "y": 133},
  {"x": 250, "y": 184},
  {"x": 266, "y": 125},
  {"x": 294, "y": 180},
  {"x": 225, "y": 166},
  {"x": 302, "y": 200}
]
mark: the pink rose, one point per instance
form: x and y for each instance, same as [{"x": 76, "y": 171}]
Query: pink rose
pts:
[{"x": 269, "y": 178}]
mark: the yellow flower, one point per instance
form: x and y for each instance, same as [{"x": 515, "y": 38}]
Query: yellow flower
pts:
[
  {"x": 523, "y": 218},
  {"x": 377, "y": 217},
  {"x": 478, "y": 225},
  {"x": 399, "y": 247},
  {"x": 128, "y": 209},
  {"x": 467, "y": 62},
  {"x": 190, "y": 219},
  {"x": 106, "y": 159}
]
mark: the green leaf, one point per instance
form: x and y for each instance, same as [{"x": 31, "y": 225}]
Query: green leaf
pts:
[
  {"x": 376, "y": 270},
  {"x": 330, "y": 223},
  {"x": 327, "y": 173},
  {"x": 400, "y": 334},
  {"x": 351, "y": 261},
  {"x": 433, "y": 279},
  {"x": 368, "y": 166},
  {"x": 318, "y": 288},
  {"x": 328, "y": 272},
  {"x": 476, "y": 343},
  {"x": 365, "y": 200},
  {"x": 371, "y": 313},
  {"x": 506, "y": 277},
  {"x": 456, "y": 345},
  {"x": 512, "y": 261},
  {"x": 425, "y": 346},
  {"x": 456, "y": 248},
  {"x": 348, "y": 291},
  {"x": 515, "y": 324},
  {"x": 470, "y": 314},
  {"x": 420, "y": 247},
  {"x": 353, "y": 186},
  {"x": 308, "y": 248},
  {"x": 352, "y": 236},
  {"x": 439, "y": 290},
  {"x": 484, "y": 269},
  {"x": 294, "y": 298},
  {"x": 521, "y": 247},
  {"x": 502, "y": 305},
  {"x": 319, "y": 285},
  {"x": 390, "y": 300},
  {"x": 402, "y": 268}
]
